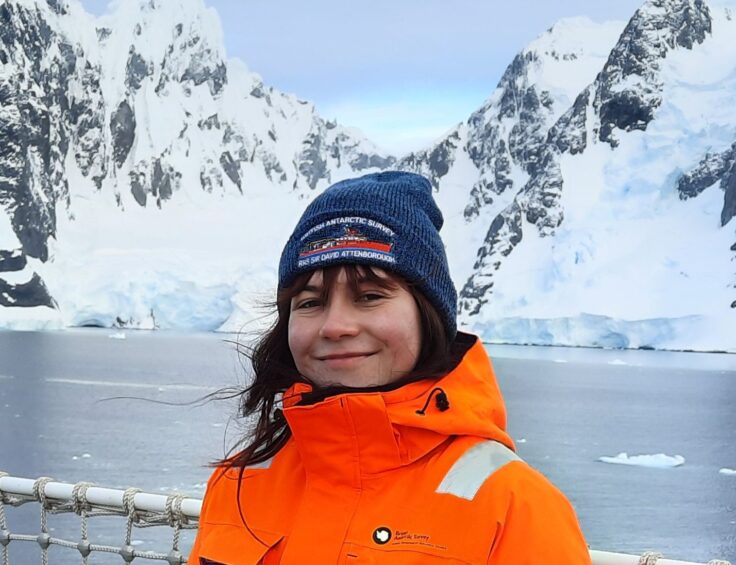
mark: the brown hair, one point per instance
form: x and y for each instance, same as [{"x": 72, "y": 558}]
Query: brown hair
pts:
[{"x": 275, "y": 371}]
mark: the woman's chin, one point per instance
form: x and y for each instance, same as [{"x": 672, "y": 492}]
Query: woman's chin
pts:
[
  {"x": 354, "y": 372},
  {"x": 359, "y": 378}
]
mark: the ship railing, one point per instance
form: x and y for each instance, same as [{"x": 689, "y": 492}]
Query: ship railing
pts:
[{"x": 141, "y": 509}]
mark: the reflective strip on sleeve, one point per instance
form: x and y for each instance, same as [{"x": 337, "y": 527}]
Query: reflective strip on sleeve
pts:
[{"x": 476, "y": 465}]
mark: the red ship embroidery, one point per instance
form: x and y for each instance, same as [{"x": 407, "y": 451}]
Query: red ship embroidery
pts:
[{"x": 352, "y": 239}]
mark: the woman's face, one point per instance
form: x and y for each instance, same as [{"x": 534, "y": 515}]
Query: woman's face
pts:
[{"x": 357, "y": 338}]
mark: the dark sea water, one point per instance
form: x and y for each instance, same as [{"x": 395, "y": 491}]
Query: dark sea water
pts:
[{"x": 567, "y": 407}]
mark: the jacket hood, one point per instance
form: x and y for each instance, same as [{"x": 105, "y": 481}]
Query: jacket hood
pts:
[{"x": 396, "y": 427}]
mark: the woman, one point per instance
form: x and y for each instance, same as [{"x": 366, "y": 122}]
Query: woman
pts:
[{"x": 391, "y": 446}]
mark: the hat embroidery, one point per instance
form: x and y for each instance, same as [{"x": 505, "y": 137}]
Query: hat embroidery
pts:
[{"x": 351, "y": 244}]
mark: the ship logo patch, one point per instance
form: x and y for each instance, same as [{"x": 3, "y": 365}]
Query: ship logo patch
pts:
[
  {"x": 381, "y": 535},
  {"x": 351, "y": 243}
]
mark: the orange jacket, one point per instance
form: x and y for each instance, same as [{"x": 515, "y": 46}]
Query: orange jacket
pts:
[{"x": 365, "y": 479}]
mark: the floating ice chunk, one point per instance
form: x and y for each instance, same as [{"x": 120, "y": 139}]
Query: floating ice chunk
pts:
[
  {"x": 727, "y": 471},
  {"x": 658, "y": 460},
  {"x": 117, "y": 335},
  {"x": 522, "y": 440},
  {"x": 617, "y": 362},
  {"x": 86, "y": 455}
]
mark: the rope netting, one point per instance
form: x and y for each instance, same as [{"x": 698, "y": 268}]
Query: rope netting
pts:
[
  {"x": 139, "y": 509},
  {"x": 144, "y": 510}
]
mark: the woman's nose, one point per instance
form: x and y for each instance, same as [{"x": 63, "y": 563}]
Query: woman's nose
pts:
[{"x": 339, "y": 320}]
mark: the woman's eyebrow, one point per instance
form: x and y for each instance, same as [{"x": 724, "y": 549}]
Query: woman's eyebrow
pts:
[
  {"x": 311, "y": 288},
  {"x": 387, "y": 284}
]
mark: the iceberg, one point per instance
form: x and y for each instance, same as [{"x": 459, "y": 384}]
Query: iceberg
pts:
[{"x": 658, "y": 460}]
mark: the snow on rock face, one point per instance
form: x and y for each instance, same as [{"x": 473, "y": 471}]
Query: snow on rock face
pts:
[
  {"x": 711, "y": 169},
  {"x": 187, "y": 117},
  {"x": 505, "y": 136},
  {"x": 586, "y": 194},
  {"x": 629, "y": 86},
  {"x": 509, "y": 143},
  {"x": 39, "y": 100},
  {"x": 29, "y": 294},
  {"x": 37, "y": 67},
  {"x": 141, "y": 109}
]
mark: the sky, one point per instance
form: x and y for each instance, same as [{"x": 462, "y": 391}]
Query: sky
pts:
[{"x": 402, "y": 71}]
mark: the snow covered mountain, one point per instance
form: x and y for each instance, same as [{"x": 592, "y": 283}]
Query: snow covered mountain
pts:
[
  {"x": 136, "y": 110},
  {"x": 148, "y": 181},
  {"x": 604, "y": 183}
]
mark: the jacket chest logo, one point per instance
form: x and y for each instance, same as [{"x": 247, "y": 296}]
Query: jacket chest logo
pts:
[{"x": 381, "y": 535}]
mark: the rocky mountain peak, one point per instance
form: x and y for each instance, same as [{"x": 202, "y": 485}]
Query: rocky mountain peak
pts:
[
  {"x": 137, "y": 107},
  {"x": 525, "y": 141},
  {"x": 629, "y": 88},
  {"x": 40, "y": 70}
]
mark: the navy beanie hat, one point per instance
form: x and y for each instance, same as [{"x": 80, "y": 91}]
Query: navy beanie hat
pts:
[{"x": 387, "y": 220}]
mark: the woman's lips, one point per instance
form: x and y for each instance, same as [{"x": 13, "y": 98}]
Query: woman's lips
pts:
[
  {"x": 344, "y": 361},
  {"x": 341, "y": 356}
]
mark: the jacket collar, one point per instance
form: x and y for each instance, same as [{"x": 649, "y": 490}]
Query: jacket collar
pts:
[{"x": 350, "y": 436}]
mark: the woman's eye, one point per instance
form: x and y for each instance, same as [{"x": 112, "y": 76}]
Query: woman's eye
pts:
[
  {"x": 370, "y": 296},
  {"x": 307, "y": 303}
]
